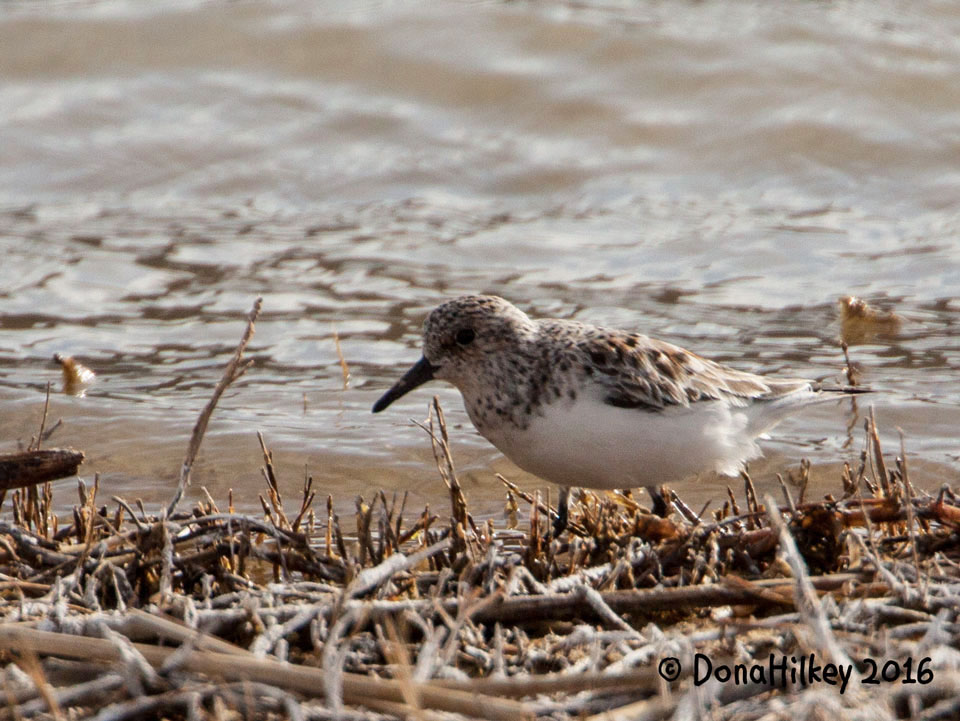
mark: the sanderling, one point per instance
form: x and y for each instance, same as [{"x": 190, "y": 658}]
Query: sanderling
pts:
[{"x": 581, "y": 405}]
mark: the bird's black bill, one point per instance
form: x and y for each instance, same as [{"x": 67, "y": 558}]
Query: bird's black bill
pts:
[{"x": 421, "y": 372}]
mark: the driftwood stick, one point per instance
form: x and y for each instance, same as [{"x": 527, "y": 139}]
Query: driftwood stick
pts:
[
  {"x": 29, "y": 468},
  {"x": 659, "y": 707},
  {"x": 92, "y": 692},
  {"x": 539, "y": 607},
  {"x": 645, "y": 679},
  {"x": 141, "y": 622},
  {"x": 232, "y": 372},
  {"x": 594, "y": 600},
  {"x": 163, "y": 705},
  {"x": 303, "y": 679}
]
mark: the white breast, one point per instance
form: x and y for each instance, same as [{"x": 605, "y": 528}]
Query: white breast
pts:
[{"x": 591, "y": 444}]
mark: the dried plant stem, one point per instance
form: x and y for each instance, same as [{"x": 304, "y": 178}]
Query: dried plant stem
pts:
[
  {"x": 43, "y": 420},
  {"x": 234, "y": 370},
  {"x": 877, "y": 451}
]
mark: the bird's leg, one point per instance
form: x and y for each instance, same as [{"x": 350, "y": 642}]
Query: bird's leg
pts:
[
  {"x": 560, "y": 522},
  {"x": 659, "y": 502}
]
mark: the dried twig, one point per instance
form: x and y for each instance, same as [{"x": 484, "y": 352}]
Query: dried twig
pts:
[{"x": 231, "y": 373}]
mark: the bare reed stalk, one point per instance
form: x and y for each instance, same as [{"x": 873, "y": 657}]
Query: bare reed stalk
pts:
[
  {"x": 877, "y": 451},
  {"x": 31, "y": 664},
  {"x": 35, "y": 446},
  {"x": 231, "y": 373},
  {"x": 911, "y": 517},
  {"x": 444, "y": 459}
]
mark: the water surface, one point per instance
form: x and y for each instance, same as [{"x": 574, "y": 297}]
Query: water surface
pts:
[{"x": 715, "y": 173}]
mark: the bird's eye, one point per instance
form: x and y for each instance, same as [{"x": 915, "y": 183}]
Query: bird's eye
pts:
[{"x": 465, "y": 336}]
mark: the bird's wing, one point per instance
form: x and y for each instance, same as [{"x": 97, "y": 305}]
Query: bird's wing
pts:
[{"x": 636, "y": 371}]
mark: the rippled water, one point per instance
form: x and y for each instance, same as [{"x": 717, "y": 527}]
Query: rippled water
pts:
[{"x": 716, "y": 173}]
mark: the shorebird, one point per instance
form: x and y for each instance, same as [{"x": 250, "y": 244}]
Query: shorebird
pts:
[{"x": 582, "y": 405}]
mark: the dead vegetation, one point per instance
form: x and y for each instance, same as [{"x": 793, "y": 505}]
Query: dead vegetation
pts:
[{"x": 116, "y": 612}]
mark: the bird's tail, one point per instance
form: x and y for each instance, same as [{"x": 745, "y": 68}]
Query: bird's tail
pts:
[{"x": 772, "y": 411}]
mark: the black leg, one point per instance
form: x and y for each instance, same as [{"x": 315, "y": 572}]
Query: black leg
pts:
[
  {"x": 659, "y": 502},
  {"x": 560, "y": 522}
]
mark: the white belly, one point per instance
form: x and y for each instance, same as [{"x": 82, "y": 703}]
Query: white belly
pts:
[{"x": 591, "y": 444}]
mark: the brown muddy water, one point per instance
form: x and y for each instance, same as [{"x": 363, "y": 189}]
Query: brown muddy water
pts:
[{"x": 716, "y": 173}]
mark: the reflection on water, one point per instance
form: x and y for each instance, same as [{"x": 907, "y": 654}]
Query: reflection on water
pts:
[{"x": 718, "y": 174}]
